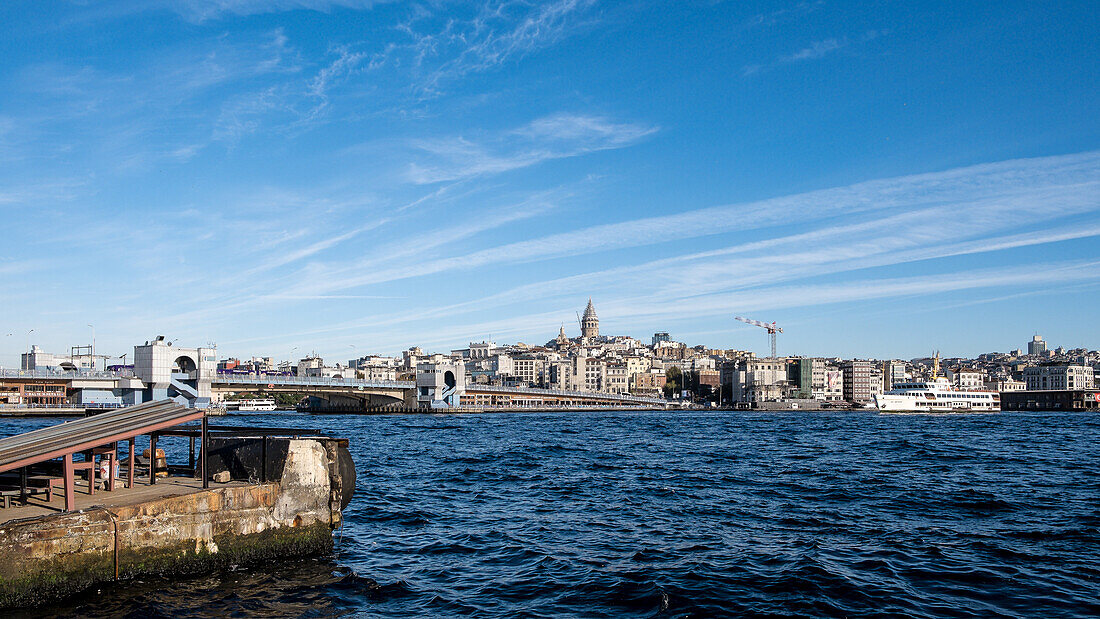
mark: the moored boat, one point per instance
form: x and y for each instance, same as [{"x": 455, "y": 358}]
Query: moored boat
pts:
[{"x": 258, "y": 404}]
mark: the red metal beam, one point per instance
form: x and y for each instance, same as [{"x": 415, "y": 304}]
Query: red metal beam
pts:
[{"x": 131, "y": 432}]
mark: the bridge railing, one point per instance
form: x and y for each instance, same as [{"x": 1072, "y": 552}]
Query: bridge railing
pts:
[
  {"x": 561, "y": 393},
  {"x": 59, "y": 374},
  {"x": 312, "y": 381}
]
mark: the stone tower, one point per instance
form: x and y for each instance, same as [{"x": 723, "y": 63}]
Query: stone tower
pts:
[{"x": 590, "y": 324}]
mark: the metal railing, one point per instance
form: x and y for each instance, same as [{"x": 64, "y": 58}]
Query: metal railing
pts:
[
  {"x": 572, "y": 394},
  {"x": 51, "y": 373},
  {"x": 313, "y": 381}
]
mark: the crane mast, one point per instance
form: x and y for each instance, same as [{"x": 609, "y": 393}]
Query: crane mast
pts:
[{"x": 771, "y": 327}]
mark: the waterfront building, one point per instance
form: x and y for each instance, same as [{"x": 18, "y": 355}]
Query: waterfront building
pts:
[
  {"x": 33, "y": 391},
  {"x": 877, "y": 381},
  {"x": 38, "y": 359},
  {"x": 1006, "y": 385},
  {"x": 800, "y": 374},
  {"x": 759, "y": 380},
  {"x": 857, "y": 380},
  {"x": 833, "y": 390},
  {"x": 440, "y": 384},
  {"x": 167, "y": 371},
  {"x": 1052, "y": 400},
  {"x": 1057, "y": 377},
  {"x": 893, "y": 372}
]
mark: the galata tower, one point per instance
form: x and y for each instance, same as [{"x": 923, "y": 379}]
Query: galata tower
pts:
[{"x": 590, "y": 324}]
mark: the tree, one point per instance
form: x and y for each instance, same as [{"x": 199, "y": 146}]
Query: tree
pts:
[{"x": 673, "y": 380}]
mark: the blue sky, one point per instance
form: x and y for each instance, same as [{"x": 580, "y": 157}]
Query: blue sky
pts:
[{"x": 881, "y": 178}]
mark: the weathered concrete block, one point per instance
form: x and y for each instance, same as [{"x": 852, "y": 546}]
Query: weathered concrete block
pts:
[
  {"x": 59, "y": 555},
  {"x": 222, "y": 477}
]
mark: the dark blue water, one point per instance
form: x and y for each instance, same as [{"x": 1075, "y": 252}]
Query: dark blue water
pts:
[{"x": 700, "y": 514}]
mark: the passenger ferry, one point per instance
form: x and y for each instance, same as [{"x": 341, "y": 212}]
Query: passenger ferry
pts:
[
  {"x": 936, "y": 396},
  {"x": 255, "y": 405}
]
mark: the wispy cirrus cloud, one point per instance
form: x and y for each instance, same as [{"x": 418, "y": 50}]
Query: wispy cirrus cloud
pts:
[
  {"x": 203, "y": 10},
  {"x": 817, "y": 49},
  {"x": 554, "y": 137},
  {"x": 626, "y": 311},
  {"x": 814, "y": 51},
  {"x": 879, "y": 222},
  {"x": 498, "y": 31}
]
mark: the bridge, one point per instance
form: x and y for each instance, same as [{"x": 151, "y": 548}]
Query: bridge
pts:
[
  {"x": 488, "y": 396},
  {"x": 325, "y": 392},
  {"x": 329, "y": 394}
]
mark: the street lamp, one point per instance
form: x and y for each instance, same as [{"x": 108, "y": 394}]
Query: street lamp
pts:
[{"x": 93, "y": 347}]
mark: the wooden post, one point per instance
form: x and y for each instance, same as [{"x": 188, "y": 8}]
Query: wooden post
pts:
[
  {"x": 130, "y": 469},
  {"x": 89, "y": 461},
  {"x": 263, "y": 459},
  {"x": 153, "y": 459},
  {"x": 202, "y": 454},
  {"x": 111, "y": 467},
  {"x": 70, "y": 483}
]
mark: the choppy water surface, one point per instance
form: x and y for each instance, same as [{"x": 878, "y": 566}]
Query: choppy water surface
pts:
[{"x": 698, "y": 514}]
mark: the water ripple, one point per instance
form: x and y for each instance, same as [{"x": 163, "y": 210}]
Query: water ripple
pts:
[{"x": 615, "y": 514}]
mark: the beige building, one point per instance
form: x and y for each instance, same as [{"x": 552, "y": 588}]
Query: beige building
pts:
[
  {"x": 651, "y": 383},
  {"x": 1058, "y": 377},
  {"x": 618, "y": 379}
]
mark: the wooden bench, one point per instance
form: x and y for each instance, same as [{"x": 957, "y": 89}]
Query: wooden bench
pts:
[{"x": 7, "y": 493}]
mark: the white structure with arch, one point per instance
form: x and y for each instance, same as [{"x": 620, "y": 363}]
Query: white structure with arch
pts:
[{"x": 183, "y": 374}]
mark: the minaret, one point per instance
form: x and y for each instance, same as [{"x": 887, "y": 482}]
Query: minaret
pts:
[{"x": 590, "y": 324}]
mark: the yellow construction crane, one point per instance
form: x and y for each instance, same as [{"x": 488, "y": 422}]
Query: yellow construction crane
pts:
[{"x": 771, "y": 327}]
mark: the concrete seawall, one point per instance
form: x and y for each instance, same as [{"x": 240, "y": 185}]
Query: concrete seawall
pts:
[{"x": 54, "y": 556}]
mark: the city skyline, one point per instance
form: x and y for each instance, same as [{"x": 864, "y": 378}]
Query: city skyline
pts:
[{"x": 327, "y": 175}]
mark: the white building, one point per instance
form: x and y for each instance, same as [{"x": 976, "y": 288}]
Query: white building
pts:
[
  {"x": 183, "y": 374},
  {"x": 440, "y": 385},
  {"x": 967, "y": 379},
  {"x": 759, "y": 380},
  {"x": 38, "y": 359},
  {"x": 1058, "y": 377}
]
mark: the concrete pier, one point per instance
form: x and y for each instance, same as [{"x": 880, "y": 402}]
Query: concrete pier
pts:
[{"x": 176, "y": 527}]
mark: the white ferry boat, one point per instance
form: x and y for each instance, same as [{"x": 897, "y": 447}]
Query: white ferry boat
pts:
[
  {"x": 256, "y": 405},
  {"x": 936, "y": 396}
]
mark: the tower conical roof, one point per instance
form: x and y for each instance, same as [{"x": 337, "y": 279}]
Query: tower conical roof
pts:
[{"x": 590, "y": 312}]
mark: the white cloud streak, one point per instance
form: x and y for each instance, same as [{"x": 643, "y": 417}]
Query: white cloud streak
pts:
[{"x": 555, "y": 137}]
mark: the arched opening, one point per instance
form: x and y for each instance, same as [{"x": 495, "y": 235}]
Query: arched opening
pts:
[
  {"x": 449, "y": 379},
  {"x": 185, "y": 364}
]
